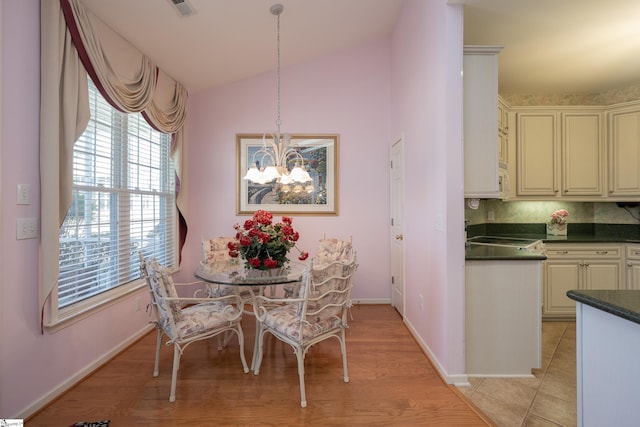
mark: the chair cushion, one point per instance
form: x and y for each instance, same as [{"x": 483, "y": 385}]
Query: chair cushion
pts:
[
  {"x": 215, "y": 254},
  {"x": 330, "y": 250},
  {"x": 285, "y": 321},
  {"x": 202, "y": 317}
]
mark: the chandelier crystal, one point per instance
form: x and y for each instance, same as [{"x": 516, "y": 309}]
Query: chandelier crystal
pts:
[{"x": 271, "y": 162}]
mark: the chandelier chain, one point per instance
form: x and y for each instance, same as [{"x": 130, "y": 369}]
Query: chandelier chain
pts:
[{"x": 278, "y": 121}]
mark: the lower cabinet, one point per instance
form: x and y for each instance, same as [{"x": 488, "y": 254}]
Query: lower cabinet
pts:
[
  {"x": 633, "y": 267},
  {"x": 578, "y": 266},
  {"x": 503, "y": 327}
]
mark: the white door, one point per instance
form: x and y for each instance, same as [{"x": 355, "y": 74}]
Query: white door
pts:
[{"x": 397, "y": 226}]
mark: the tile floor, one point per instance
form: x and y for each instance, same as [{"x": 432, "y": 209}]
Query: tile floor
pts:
[{"x": 549, "y": 399}]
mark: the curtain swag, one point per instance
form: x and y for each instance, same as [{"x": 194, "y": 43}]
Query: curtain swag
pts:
[{"x": 76, "y": 43}]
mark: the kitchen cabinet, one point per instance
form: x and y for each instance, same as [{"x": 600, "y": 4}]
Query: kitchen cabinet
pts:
[
  {"x": 503, "y": 134},
  {"x": 633, "y": 267},
  {"x": 560, "y": 153},
  {"x": 624, "y": 151},
  {"x": 578, "y": 266},
  {"x": 480, "y": 87},
  {"x": 537, "y": 154},
  {"x": 503, "y": 322},
  {"x": 583, "y": 153},
  {"x": 607, "y": 348}
]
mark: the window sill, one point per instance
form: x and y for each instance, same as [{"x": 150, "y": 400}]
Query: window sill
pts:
[{"x": 60, "y": 319}]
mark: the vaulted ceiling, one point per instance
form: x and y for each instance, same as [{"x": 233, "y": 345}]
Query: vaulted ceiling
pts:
[{"x": 550, "y": 46}]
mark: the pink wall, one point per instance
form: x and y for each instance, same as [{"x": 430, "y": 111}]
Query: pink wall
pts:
[
  {"x": 33, "y": 367},
  {"x": 345, "y": 93},
  {"x": 370, "y": 95},
  {"x": 426, "y": 107}
]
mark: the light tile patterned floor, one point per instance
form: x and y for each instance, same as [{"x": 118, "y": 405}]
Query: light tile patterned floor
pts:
[{"x": 549, "y": 399}]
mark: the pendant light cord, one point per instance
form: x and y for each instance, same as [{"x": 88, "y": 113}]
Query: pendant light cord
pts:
[{"x": 276, "y": 9}]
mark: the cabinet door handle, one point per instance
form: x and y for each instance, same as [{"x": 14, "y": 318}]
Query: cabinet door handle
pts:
[
  {"x": 636, "y": 252},
  {"x": 562, "y": 252},
  {"x": 602, "y": 252},
  {"x": 586, "y": 265}
]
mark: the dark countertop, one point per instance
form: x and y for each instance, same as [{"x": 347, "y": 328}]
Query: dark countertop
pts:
[
  {"x": 622, "y": 303},
  {"x": 577, "y": 233},
  {"x": 489, "y": 253}
]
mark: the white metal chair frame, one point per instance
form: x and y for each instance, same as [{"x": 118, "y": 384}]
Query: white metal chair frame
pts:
[
  {"x": 226, "y": 312},
  {"x": 318, "y": 313}
]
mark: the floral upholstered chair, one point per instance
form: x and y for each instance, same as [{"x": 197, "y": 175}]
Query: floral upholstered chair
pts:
[
  {"x": 329, "y": 250},
  {"x": 215, "y": 256},
  {"x": 203, "y": 318},
  {"x": 317, "y": 313}
]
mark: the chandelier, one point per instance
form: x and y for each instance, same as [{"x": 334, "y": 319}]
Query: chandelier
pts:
[{"x": 271, "y": 162}]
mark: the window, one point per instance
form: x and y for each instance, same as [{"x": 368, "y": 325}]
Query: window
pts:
[{"x": 123, "y": 202}]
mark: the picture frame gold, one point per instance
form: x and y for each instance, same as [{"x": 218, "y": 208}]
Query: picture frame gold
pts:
[{"x": 320, "y": 156}]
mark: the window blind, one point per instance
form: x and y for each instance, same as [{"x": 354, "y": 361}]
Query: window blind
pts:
[{"x": 123, "y": 202}]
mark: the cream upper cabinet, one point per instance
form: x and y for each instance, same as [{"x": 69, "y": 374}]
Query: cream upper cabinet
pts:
[
  {"x": 503, "y": 134},
  {"x": 537, "y": 154},
  {"x": 624, "y": 151},
  {"x": 582, "y": 154},
  {"x": 480, "y": 87},
  {"x": 560, "y": 154}
]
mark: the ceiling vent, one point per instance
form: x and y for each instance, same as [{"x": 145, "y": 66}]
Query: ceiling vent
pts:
[{"x": 183, "y": 7}]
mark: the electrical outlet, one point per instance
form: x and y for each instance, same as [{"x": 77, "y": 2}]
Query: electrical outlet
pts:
[
  {"x": 491, "y": 216},
  {"x": 26, "y": 228},
  {"x": 138, "y": 304},
  {"x": 420, "y": 302}
]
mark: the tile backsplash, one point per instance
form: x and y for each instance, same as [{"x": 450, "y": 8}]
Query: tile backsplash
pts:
[{"x": 539, "y": 212}]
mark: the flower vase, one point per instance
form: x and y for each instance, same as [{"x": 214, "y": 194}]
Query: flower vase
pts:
[
  {"x": 557, "y": 229},
  {"x": 266, "y": 274}
]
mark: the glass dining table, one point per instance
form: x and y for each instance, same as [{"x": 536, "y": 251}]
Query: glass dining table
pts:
[{"x": 250, "y": 280}]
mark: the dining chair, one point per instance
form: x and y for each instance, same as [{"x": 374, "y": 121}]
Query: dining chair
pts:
[
  {"x": 329, "y": 249},
  {"x": 215, "y": 256},
  {"x": 317, "y": 313},
  {"x": 202, "y": 318}
]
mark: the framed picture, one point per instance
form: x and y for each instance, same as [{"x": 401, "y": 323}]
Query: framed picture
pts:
[{"x": 314, "y": 194}]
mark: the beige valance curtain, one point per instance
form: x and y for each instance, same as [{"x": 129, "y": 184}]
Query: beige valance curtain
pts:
[{"x": 75, "y": 43}]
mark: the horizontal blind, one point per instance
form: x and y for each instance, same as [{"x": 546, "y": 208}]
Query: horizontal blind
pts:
[{"x": 123, "y": 202}]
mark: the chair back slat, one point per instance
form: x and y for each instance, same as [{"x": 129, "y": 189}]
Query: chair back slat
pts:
[{"x": 326, "y": 290}]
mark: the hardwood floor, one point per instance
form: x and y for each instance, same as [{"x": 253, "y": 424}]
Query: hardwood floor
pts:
[{"x": 392, "y": 383}]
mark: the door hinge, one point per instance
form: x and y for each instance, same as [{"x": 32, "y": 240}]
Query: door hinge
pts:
[
  {"x": 392, "y": 222},
  {"x": 393, "y": 280}
]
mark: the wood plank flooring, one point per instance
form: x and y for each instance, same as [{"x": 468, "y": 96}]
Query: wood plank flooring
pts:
[{"x": 392, "y": 383}]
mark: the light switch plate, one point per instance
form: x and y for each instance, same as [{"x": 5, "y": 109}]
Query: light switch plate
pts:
[
  {"x": 26, "y": 228},
  {"x": 23, "y": 196}
]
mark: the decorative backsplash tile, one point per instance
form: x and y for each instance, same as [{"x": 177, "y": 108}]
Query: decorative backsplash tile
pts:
[{"x": 540, "y": 212}]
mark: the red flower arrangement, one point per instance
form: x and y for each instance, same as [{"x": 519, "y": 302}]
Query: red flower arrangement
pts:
[{"x": 265, "y": 245}]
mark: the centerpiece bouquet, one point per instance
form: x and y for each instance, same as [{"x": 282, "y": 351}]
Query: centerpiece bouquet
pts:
[{"x": 264, "y": 245}]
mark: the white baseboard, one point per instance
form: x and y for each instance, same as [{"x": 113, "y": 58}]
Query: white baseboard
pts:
[
  {"x": 458, "y": 379},
  {"x": 80, "y": 375},
  {"x": 370, "y": 301}
]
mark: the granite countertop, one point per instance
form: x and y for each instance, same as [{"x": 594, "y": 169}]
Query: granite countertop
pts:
[
  {"x": 623, "y": 303},
  {"x": 489, "y": 253}
]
